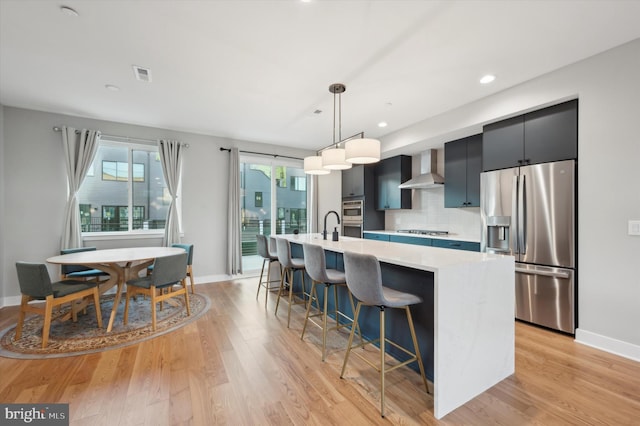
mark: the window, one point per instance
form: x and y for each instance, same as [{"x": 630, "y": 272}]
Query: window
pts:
[
  {"x": 128, "y": 194},
  {"x": 274, "y": 201},
  {"x": 298, "y": 183},
  {"x": 118, "y": 170}
]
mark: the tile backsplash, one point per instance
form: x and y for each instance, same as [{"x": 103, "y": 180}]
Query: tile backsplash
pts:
[{"x": 428, "y": 212}]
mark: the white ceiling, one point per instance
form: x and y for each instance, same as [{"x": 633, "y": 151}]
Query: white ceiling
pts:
[{"x": 257, "y": 70}]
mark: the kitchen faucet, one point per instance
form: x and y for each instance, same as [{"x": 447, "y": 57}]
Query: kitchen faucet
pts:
[{"x": 335, "y": 233}]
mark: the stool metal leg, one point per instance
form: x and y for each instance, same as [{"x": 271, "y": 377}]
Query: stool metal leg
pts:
[
  {"x": 353, "y": 329},
  {"x": 382, "y": 363},
  {"x": 261, "y": 273},
  {"x": 314, "y": 296},
  {"x": 415, "y": 345},
  {"x": 282, "y": 274}
]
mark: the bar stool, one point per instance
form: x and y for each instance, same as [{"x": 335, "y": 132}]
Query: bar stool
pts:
[
  {"x": 364, "y": 280},
  {"x": 289, "y": 267},
  {"x": 268, "y": 254},
  {"x": 316, "y": 266}
]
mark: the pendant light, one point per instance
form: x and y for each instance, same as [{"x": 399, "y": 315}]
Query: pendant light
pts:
[
  {"x": 334, "y": 158},
  {"x": 362, "y": 151},
  {"x": 313, "y": 166}
]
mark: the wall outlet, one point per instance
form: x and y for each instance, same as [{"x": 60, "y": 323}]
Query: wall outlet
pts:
[{"x": 634, "y": 227}]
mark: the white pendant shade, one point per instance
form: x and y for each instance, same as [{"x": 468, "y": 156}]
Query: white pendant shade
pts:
[
  {"x": 362, "y": 151},
  {"x": 313, "y": 166},
  {"x": 334, "y": 159}
]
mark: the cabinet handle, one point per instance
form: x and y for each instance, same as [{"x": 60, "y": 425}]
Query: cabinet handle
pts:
[{"x": 528, "y": 161}]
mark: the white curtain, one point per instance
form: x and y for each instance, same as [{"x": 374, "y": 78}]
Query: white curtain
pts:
[
  {"x": 312, "y": 202},
  {"x": 234, "y": 236},
  {"x": 79, "y": 150},
  {"x": 171, "y": 160}
]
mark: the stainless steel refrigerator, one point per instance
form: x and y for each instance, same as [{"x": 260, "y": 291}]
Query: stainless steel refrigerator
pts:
[{"x": 529, "y": 212}]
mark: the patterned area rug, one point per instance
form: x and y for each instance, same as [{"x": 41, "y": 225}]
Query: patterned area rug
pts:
[{"x": 67, "y": 338}]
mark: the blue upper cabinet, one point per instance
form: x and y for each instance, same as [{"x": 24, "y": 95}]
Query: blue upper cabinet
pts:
[
  {"x": 462, "y": 168},
  {"x": 549, "y": 134},
  {"x": 389, "y": 174}
]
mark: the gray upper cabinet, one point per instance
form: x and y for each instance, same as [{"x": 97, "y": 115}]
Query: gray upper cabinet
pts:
[
  {"x": 353, "y": 182},
  {"x": 389, "y": 174},
  {"x": 462, "y": 168},
  {"x": 549, "y": 134}
]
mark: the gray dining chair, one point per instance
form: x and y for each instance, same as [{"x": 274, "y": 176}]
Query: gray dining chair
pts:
[
  {"x": 364, "y": 280},
  {"x": 189, "y": 249},
  {"x": 80, "y": 271},
  {"x": 35, "y": 284},
  {"x": 167, "y": 272}
]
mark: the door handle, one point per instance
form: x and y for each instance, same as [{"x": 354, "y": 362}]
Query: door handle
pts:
[
  {"x": 513, "y": 244},
  {"x": 552, "y": 274},
  {"x": 523, "y": 215}
]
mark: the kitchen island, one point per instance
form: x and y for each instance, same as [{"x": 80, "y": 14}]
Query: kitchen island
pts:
[{"x": 465, "y": 325}]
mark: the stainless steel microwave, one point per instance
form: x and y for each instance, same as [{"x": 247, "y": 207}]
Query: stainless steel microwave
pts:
[{"x": 352, "y": 210}]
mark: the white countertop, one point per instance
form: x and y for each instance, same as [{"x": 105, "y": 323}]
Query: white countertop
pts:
[
  {"x": 453, "y": 237},
  {"x": 418, "y": 257}
]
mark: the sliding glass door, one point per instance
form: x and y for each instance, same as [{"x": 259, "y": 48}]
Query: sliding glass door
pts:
[{"x": 273, "y": 200}]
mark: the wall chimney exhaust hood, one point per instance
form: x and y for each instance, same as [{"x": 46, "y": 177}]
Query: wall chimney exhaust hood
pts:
[{"x": 428, "y": 177}]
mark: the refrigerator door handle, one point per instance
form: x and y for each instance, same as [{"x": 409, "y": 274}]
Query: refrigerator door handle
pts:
[
  {"x": 514, "y": 212},
  {"x": 562, "y": 274},
  {"x": 522, "y": 216}
]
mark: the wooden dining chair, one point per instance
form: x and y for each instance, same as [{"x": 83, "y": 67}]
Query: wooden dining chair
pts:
[
  {"x": 80, "y": 271},
  {"x": 168, "y": 271},
  {"x": 35, "y": 284},
  {"x": 189, "y": 249}
]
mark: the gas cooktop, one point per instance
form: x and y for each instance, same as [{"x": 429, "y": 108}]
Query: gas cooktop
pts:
[{"x": 422, "y": 232}]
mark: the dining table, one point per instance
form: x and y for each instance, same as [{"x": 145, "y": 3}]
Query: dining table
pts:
[{"x": 122, "y": 264}]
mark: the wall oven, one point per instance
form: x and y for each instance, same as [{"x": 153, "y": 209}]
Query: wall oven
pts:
[{"x": 352, "y": 219}]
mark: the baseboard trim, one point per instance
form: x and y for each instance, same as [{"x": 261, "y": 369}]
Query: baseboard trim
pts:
[
  {"x": 608, "y": 344},
  {"x": 10, "y": 301}
]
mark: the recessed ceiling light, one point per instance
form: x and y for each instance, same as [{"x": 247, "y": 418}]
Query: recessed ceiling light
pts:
[
  {"x": 68, "y": 11},
  {"x": 382, "y": 124},
  {"x": 487, "y": 79},
  {"x": 111, "y": 87}
]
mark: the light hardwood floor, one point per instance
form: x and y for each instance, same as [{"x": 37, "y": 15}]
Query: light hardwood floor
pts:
[{"x": 240, "y": 365}]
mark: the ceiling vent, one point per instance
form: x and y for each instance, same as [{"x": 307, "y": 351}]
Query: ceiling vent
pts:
[{"x": 142, "y": 74}]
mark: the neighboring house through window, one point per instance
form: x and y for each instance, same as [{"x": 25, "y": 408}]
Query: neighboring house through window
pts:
[{"x": 125, "y": 191}]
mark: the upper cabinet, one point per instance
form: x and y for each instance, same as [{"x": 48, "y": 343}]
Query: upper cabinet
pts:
[
  {"x": 462, "y": 168},
  {"x": 389, "y": 174},
  {"x": 353, "y": 181},
  {"x": 549, "y": 134}
]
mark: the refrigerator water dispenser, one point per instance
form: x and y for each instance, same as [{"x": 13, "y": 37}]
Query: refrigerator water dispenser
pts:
[{"x": 498, "y": 231}]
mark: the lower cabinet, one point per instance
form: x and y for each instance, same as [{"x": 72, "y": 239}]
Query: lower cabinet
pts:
[
  {"x": 457, "y": 245},
  {"x": 422, "y": 241},
  {"x": 410, "y": 240},
  {"x": 379, "y": 237}
]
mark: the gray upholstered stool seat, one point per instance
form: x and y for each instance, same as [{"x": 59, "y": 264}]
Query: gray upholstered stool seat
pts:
[
  {"x": 289, "y": 267},
  {"x": 269, "y": 254},
  {"x": 315, "y": 263},
  {"x": 364, "y": 280}
]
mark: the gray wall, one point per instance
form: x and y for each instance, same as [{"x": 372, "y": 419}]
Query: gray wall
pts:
[
  {"x": 33, "y": 164},
  {"x": 608, "y": 88}
]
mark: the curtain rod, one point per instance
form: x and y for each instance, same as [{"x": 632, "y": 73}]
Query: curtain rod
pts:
[
  {"x": 125, "y": 138},
  {"x": 262, "y": 153}
]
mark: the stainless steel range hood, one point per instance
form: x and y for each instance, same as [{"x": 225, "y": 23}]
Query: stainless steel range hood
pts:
[{"x": 428, "y": 177}]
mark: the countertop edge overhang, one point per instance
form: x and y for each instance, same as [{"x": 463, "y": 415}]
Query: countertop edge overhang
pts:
[{"x": 418, "y": 257}]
